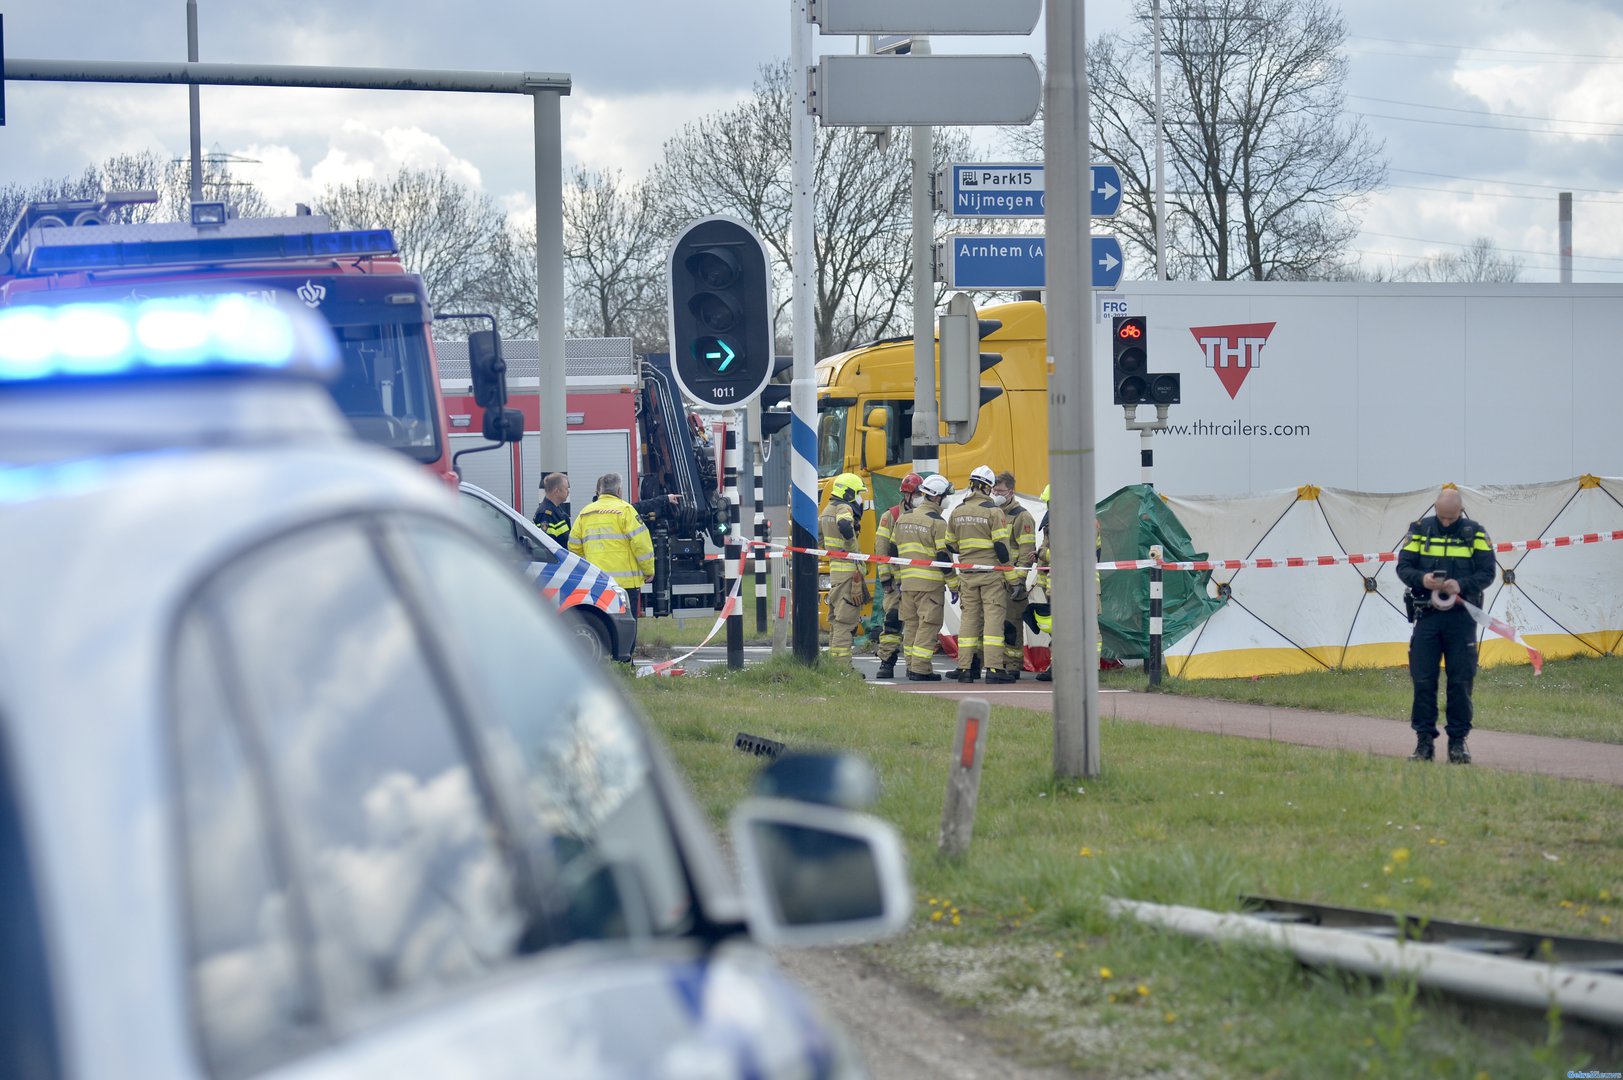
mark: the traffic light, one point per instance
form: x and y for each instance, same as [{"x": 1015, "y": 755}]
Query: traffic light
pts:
[
  {"x": 1129, "y": 359},
  {"x": 720, "y": 313},
  {"x": 961, "y": 364},
  {"x": 774, "y": 419}
]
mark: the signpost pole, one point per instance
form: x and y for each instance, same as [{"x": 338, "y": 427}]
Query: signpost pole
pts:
[
  {"x": 1070, "y": 396},
  {"x": 802, "y": 388},
  {"x": 926, "y": 426}
]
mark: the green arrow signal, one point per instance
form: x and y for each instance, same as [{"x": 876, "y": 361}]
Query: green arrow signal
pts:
[{"x": 726, "y": 350}]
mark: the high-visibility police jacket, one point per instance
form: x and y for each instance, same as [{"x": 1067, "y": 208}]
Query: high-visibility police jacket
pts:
[
  {"x": 838, "y": 525},
  {"x": 979, "y": 533},
  {"x": 1460, "y": 551},
  {"x": 610, "y": 535},
  {"x": 921, "y": 533},
  {"x": 884, "y": 539},
  {"x": 553, "y": 519}
]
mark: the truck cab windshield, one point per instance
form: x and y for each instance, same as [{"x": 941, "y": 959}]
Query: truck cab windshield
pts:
[
  {"x": 831, "y": 440},
  {"x": 385, "y": 390}
]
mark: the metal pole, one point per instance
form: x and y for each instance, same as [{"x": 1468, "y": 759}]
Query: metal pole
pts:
[
  {"x": 549, "y": 283},
  {"x": 802, "y": 388},
  {"x": 1564, "y": 214},
  {"x": 1070, "y": 397},
  {"x": 758, "y": 486},
  {"x": 1146, "y": 457},
  {"x": 733, "y": 549},
  {"x": 926, "y": 426},
  {"x": 1160, "y": 161},
  {"x": 192, "y": 97}
]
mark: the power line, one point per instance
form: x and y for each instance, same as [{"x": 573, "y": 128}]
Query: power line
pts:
[
  {"x": 1508, "y": 183},
  {"x": 1494, "y": 127},
  {"x": 1456, "y": 243},
  {"x": 1487, "y": 48},
  {"x": 1484, "y": 112},
  {"x": 1502, "y": 194},
  {"x": 1479, "y": 59}
]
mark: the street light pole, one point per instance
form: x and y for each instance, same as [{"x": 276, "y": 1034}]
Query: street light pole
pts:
[
  {"x": 1160, "y": 159},
  {"x": 194, "y": 99}
]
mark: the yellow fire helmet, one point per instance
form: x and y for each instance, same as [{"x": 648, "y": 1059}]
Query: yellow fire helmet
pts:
[
  {"x": 1045, "y": 493},
  {"x": 846, "y": 485}
]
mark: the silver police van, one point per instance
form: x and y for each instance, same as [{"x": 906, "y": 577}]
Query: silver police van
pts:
[{"x": 285, "y": 792}]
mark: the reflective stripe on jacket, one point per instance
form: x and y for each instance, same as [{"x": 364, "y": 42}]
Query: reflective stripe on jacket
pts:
[
  {"x": 838, "y": 525},
  {"x": 610, "y": 535},
  {"x": 1461, "y": 551},
  {"x": 884, "y": 539},
  {"x": 921, "y": 533},
  {"x": 976, "y": 529}
]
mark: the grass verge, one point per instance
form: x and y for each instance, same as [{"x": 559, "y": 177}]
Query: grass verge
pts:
[
  {"x": 1578, "y": 698},
  {"x": 1016, "y": 931}
]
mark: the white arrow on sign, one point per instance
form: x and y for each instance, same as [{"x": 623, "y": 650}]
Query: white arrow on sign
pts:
[
  {"x": 925, "y": 16},
  {"x": 1109, "y": 262},
  {"x": 904, "y": 91},
  {"x": 1107, "y": 189}
]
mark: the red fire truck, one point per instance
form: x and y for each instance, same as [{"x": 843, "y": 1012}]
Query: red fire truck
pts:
[{"x": 390, "y": 387}]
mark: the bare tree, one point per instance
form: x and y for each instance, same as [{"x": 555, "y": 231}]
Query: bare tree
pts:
[
  {"x": 145, "y": 171},
  {"x": 1263, "y": 165},
  {"x": 613, "y": 258},
  {"x": 738, "y": 162},
  {"x": 450, "y": 234},
  {"x": 1480, "y": 262}
]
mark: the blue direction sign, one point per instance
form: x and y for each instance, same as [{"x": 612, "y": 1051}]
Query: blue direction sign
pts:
[
  {"x": 1017, "y": 190},
  {"x": 1019, "y": 262}
]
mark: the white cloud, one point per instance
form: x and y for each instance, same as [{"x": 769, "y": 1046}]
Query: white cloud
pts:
[{"x": 628, "y": 132}]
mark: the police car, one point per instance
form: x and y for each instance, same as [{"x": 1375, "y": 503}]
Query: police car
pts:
[
  {"x": 595, "y": 609},
  {"x": 288, "y": 788}
]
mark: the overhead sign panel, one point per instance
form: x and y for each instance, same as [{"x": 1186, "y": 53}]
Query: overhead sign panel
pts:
[
  {"x": 905, "y": 91},
  {"x": 1017, "y": 190},
  {"x": 926, "y": 16},
  {"x": 1019, "y": 262}
]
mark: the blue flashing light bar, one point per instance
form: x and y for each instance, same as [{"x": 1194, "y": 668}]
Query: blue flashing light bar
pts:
[
  {"x": 83, "y": 342},
  {"x": 209, "y": 250}
]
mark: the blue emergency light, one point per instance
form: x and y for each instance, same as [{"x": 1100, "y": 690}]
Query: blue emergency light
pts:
[
  {"x": 70, "y": 342},
  {"x": 207, "y": 250}
]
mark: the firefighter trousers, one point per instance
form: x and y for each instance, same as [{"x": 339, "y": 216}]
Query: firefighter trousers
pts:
[
  {"x": 844, "y": 609},
  {"x": 921, "y": 612},
  {"x": 1449, "y": 638},
  {"x": 981, "y": 600},
  {"x": 1014, "y": 634},
  {"x": 890, "y": 632}
]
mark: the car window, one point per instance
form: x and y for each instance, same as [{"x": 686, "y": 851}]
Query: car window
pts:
[
  {"x": 584, "y": 763},
  {"x": 28, "y": 1036},
  {"x": 492, "y": 523},
  {"x": 406, "y": 880},
  {"x": 253, "y": 1001}
]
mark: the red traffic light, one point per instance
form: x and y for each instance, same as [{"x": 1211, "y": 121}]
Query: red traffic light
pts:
[{"x": 1131, "y": 329}]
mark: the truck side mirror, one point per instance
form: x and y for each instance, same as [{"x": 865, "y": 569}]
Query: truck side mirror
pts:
[
  {"x": 487, "y": 368},
  {"x": 876, "y": 438}
]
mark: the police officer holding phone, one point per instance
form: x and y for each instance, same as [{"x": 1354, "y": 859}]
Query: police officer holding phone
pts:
[{"x": 1447, "y": 559}]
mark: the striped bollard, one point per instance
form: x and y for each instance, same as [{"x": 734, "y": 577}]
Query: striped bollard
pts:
[
  {"x": 1152, "y": 665},
  {"x": 732, "y": 551}
]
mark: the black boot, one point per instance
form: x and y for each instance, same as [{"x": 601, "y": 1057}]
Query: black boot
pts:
[
  {"x": 1457, "y": 753},
  {"x": 996, "y": 676},
  {"x": 887, "y": 668},
  {"x": 1046, "y": 676},
  {"x": 972, "y": 673},
  {"x": 1422, "y": 750},
  {"x": 914, "y": 676}
]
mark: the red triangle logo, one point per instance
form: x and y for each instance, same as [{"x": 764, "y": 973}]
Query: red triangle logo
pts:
[{"x": 1233, "y": 351}]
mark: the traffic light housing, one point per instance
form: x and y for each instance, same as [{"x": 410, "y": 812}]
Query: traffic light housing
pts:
[
  {"x": 1132, "y": 383},
  {"x": 774, "y": 400},
  {"x": 720, "y": 313}
]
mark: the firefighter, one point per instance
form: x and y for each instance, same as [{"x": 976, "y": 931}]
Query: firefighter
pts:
[
  {"x": 921, "y": 533},
  {"x": 1039, "y": 613},
  {"x": 610, "y": 535},
  {"x": 890, "y": 634},
  {"x": 552, "y": 516},
  {"x": 847, "y": 588},
  {"x": 978, "y": 532},
  {"x": 1023, "y": 542},
  {"x": 1447, "y": 559}
]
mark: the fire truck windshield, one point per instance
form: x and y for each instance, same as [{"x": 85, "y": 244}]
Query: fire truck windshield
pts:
[{"x": 385, "y": 388}]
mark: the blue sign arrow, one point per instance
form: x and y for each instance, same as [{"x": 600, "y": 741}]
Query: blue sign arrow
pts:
[
  {"x": 1104, "y": 260},
  {"x": 1104, "y": 197},
  {"x": 1020, "y": 262}
]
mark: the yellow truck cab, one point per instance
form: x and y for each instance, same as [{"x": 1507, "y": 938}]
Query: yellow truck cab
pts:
[{"x": 865, "y": 411}]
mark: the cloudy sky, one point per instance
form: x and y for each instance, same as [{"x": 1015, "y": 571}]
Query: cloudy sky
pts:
[{"x": 1486, "y": 108}]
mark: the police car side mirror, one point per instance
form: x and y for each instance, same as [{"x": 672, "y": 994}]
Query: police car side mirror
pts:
[{"x": 819, "y": 875}]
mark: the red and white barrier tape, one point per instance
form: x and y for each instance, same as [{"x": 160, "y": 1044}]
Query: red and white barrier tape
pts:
[{"x": 732, "y": 606}]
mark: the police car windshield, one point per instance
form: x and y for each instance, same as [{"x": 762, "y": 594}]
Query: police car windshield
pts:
[{"x": 385, "y": 389}]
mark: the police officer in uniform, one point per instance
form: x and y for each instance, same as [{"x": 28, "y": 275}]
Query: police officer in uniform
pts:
[
  {"x": 552, "y": 516},
  {"x": 1023, "y": 543},
  {"x": 1447, "y": 559},
  {"x": 921, "y": 533},
  {"x": 890, "y": 633},
  {"x": 978, "y": 532},
  {"x": 847, "y": 590}
]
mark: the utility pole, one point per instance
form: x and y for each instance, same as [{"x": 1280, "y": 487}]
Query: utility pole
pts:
[
  {"x": 802, "y": 388},
  {"x": 1160, "y": 159},
  {"x": 194, "y": 100},
  {"x": 1070, "y": 396},
  {"x": 926, "y": 426}
]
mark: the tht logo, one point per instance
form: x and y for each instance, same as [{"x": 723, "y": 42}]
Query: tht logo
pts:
[
  {"x": 312, "y": 294},
  {"x": 1233, "y": 351}
]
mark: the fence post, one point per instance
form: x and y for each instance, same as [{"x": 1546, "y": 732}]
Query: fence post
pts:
[
  {"x": 1152, "y": 665},
  {"x": 964, "y": 778}
]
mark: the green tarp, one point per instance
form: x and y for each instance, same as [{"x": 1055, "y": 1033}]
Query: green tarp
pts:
[{"x": 1130, "y": 521}]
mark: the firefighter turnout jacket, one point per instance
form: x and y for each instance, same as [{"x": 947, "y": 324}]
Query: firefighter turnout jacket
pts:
[
  {"x": 610, "y": 535},
  {"x": 838, "y": 526}
]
